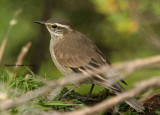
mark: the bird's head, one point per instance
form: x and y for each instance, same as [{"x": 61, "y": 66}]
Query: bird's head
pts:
[{"x": 57, "y": 27}]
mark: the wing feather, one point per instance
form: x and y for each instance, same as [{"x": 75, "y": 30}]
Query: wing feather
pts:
[{"x": 78, "y": 51}]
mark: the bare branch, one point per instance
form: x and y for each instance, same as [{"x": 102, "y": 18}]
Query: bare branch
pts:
[
  {"x": 98, "y": 108},
  {"x": 50, "y": 85},
  {"x": 149, "y": 97},
  {"x": 103, "y": 106},
  {"x": 130, "y": 66}
]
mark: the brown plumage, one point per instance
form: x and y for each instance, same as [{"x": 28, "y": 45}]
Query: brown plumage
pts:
[
  {"x": 79, "y": 53},
  {"x": 72, "y": 51}
]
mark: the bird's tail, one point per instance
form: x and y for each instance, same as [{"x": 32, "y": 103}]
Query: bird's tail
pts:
[
  {"x": 117, "y": 89},
  {"x": 135, "y": 104}
]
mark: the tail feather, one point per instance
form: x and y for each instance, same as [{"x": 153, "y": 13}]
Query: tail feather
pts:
[
  {"x": 117, "y": 89},
  {"x": 135, "y": 104}
]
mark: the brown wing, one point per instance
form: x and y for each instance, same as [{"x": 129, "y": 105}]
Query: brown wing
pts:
[{"x": 79, "y": 53}]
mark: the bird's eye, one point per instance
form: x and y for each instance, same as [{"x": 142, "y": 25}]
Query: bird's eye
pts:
[{"x": 54, "y": 26}]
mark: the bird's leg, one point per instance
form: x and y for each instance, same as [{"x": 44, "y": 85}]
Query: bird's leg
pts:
[
  {"x": 64, "y": 95},
  {"x": 90, "y": 92}
]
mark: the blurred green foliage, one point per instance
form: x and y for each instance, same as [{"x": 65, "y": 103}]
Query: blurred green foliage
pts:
[
  {"x": 122, "y": 29},
  {"x": 118, "y": 28}
]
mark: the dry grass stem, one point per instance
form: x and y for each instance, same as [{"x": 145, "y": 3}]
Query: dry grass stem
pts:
[
  {"x": 2, "y": 47},
  {"x": 12, "y": 22},
  {"x": 106, "y": 104},
  {"x": 139, "y": 63},
  {"x": 50, "y": 85},
  {"x": 22, "y": 54}
]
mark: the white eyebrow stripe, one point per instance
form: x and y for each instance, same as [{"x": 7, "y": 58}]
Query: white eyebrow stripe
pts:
[{"x": 61, "y": 25}]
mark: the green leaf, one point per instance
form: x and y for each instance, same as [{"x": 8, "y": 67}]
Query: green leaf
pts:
[{"x": 157, "y": 112}]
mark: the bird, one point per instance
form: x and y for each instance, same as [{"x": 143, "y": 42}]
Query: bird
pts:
[{"x": 74, "y": 52}]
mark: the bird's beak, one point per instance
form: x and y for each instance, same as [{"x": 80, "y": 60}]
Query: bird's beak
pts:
[{"x": 40, "y": 22}]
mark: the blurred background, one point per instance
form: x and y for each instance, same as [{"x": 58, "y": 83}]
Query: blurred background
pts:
[{"x": 122, "y": 29}]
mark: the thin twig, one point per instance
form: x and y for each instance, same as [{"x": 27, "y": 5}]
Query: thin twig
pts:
[
  {"x": 103, "y": 106},
  {"x": 149, "y": 97},
  {"x": 138, "y": 63},
  {"x": 41, "y": 91},
  {"x": 98, "y": 108},
  {"x": 50, "y": 85}
]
